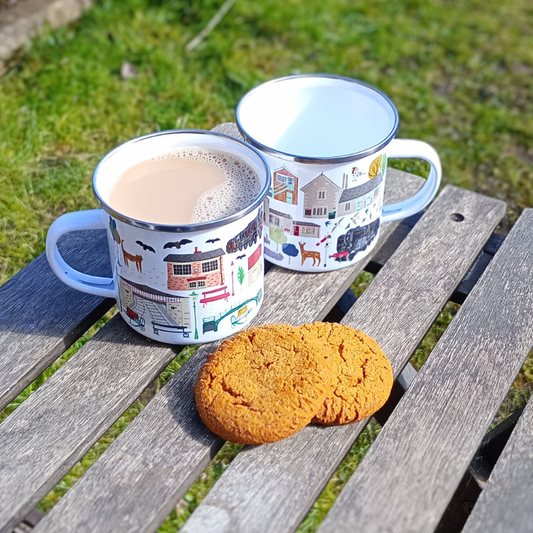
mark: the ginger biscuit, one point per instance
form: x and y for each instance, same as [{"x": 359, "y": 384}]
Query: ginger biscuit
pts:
[
  {"x": 363, "y": 373},
  {"x": 264, "y": 384}
]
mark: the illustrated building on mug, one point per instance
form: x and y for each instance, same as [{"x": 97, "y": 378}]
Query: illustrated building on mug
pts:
[
  {"x": 278, "y": 220},
  {"x": 255, "y": 266},
  {"x": 285, "y": 186},
  {"x": 359, "y": 197},
  {"x": 165, "y": 309},
  {"x": 324, "y": 199},
  {"x": 321, "y": 197},
  {"x": 196, "y": 270},
  {"x": 306, "y": 229}
]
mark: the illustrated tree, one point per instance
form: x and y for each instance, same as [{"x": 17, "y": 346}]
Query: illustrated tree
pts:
[
  {"x": 278, "y": 236},
  {"x": 240, "y": 275},
  {"x": 290, "y": 250}
]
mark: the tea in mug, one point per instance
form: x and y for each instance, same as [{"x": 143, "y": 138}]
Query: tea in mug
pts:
[{"x": 187, "y": 186}]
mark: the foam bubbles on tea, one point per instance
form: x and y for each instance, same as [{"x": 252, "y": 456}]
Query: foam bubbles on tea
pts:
[
  {"x": 186, "y": 186},
  {"x": 241, "y": 188}
]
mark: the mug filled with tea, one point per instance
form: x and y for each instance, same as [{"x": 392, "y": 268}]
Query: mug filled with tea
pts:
[
  {"x": 183, "y": 211},
  {"x": 327, "y": 140}
]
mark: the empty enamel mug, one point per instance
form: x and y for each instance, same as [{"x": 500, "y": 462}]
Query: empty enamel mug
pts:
[
  {"x": 185, "y": 284},
  {"x": 327, "y": 140}
]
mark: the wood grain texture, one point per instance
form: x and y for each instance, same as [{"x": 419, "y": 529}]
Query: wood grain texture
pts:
[
  {"x": 40, "y": 317},
  {"x": 411, "y": 472},
  {"x": 506, "y": 503},
  {"x": 271, "y": 488},
  {"x": 43, "y": 439},
  {"x": 468, "y": 282},
  {"x": 139, "y": 479}
]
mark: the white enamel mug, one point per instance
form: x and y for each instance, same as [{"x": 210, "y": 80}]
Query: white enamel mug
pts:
[
  {"x": 185, "y": 284},
  {"x": 327, "y": 140}
]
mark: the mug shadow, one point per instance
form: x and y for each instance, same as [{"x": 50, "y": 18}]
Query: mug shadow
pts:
[{"x": 36, "y": 302}]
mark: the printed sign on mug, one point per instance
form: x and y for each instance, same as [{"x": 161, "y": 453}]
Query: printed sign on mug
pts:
[
  {"x": 183, "y": 212},
  {"x": 327, "y": 140}
]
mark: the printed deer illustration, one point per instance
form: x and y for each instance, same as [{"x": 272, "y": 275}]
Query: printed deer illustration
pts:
[
  {"x": 315, "y": 256},
  {"x": 137, "y": 259}
]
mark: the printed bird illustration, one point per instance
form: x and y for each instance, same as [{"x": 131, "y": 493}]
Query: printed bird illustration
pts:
[
  {"x": 212, "y": 240},
  {"x": 177, "y": 244},
  {"x": 241, "y": 256},
  {"x": 145, "y": 246},
  {"x": 328, "y": 222}
]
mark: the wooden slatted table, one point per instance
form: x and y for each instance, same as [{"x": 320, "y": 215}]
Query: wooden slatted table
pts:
[{"x": 405, "y": 482}]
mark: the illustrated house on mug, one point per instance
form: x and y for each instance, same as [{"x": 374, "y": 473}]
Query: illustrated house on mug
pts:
[
  {"x": 359, "y": 197},
  {"x": 321, "y": 198},
  {"x": 306, "y": 229},
  {"x": 278, "y": 220},
  {"x": 324, "y": 199},
  {"x": 284, "y": 221},
  {"x": 255, "y": 266},
  {"x": 195, "y": 271},
  {"x": 285, "y": 186}
]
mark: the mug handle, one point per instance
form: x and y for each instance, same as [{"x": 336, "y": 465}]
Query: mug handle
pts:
[
  {"x": 80, "y": 220},
  {"x": 403, "y": 148}
]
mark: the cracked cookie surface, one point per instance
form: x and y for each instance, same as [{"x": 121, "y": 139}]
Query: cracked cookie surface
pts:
[
  {"x": 264, "y": 384},
  {"x": 363, "y": 379}
]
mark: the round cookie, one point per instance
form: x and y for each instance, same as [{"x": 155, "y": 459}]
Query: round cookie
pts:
[
  {"x": 264, "y": 384},
  {"x": 363, "y": 374}
]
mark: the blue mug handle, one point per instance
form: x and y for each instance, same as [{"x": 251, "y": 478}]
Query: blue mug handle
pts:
[{"x": 404, "y": 148}]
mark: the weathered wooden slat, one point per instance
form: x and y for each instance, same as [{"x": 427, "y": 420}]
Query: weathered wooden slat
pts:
[
  {"x": 40, "y": 317},
  {"x": 468, "y": 282},
  {"x": 271, "y": 488},
  {"x": 506, "y": 503},
  {"x": 412, "y": 470},
  {"x": 137, "y": 481},
  {"x": 58, "y": 423}
]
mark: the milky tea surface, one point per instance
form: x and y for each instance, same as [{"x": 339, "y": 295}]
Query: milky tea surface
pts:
[{"x": 186, "y": 186}]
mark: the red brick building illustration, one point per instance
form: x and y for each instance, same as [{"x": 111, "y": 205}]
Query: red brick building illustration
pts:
[
  {"x": 195, "y": 271},
  {"x": 285, "y": 185}
]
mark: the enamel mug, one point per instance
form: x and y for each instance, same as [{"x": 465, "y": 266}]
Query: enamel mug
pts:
[
  {"x": 185, "y": 284},
  {"x": 327, "y": 140}
]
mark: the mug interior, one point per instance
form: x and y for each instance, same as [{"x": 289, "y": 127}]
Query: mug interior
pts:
[
  {"x": 133, "y": 152},
  {"x": 317, "y": 116}
]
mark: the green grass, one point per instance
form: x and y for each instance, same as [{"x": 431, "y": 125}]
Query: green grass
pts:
[{"x": 460, "y": 73}]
